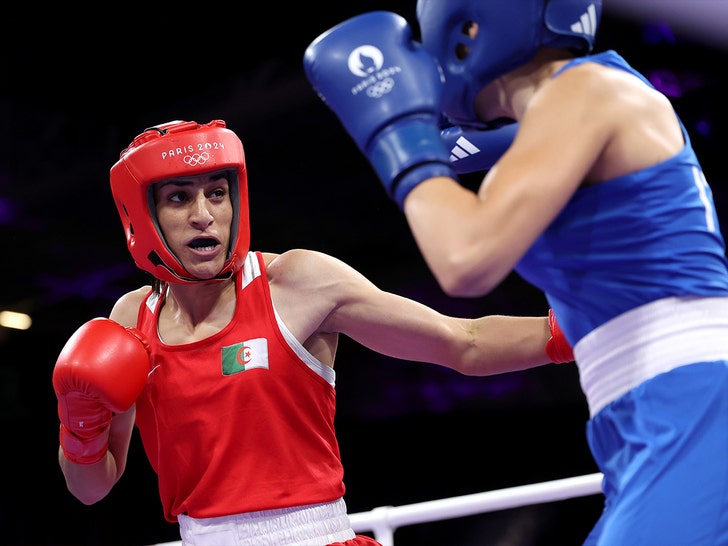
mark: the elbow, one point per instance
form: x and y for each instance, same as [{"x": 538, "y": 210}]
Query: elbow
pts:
[
  {"x": 88, "y": 501},
  {"x": 470, "y": 371},
  {"x": 457, "y": 289},
  {"x": 468, "y": 269},
  {"x": 88, "y": 497},
  {"x": 87, "y": 489},
  {"x": 474, "y": 367},
  {"x": 459, "y": 280}
]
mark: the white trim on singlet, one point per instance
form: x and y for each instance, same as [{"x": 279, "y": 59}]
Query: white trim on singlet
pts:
[
  {"x": 326, "y": 372},
  {"x": 251, "y": 270}
]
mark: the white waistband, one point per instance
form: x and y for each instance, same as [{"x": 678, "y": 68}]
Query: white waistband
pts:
[
  {"x": 313, "y": 525},
  {"x": 647, "y": 341}
]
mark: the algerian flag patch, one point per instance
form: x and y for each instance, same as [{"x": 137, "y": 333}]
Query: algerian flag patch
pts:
[{"x": 247, "y": 355}]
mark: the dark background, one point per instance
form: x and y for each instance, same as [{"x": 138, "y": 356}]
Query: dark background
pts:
[{"x": 77, "y": 87}]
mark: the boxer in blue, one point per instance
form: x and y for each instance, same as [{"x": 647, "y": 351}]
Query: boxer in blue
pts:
[{"x": 599, "y": 200}]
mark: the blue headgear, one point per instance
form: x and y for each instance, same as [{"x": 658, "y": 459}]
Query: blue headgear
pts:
[{"x": 509, "y": 33}]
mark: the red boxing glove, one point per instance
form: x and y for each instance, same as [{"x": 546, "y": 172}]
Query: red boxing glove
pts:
[
  {"x": 101, "y": 371},
  {"x": 557, "y": 348}
]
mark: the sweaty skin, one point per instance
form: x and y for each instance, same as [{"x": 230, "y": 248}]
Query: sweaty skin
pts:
[{"x": 563, "y": 142}]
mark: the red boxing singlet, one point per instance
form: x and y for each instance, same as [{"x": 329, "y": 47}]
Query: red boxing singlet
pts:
[{"x": 241, "y": 421}]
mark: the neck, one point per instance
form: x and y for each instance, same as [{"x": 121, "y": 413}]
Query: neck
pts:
[
  {"x": 196, "y": 303},
  {"x": 514, "y": 90}
]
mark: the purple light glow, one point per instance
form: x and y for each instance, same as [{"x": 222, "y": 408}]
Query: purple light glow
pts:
[{"x": 8, "y": 211}]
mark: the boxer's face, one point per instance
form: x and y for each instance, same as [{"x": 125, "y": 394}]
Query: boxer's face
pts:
[
  {"x": 490, "y": 101},
  {"x": 195, "y": 215}
]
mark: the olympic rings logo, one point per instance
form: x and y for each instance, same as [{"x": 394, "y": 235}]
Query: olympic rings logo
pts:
[
  {"x": 196, "y": 159},
  {"x": 380, "y": 88}
]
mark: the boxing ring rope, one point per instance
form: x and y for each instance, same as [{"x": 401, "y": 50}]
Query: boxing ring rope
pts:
[{"x": 384, "y": 520}]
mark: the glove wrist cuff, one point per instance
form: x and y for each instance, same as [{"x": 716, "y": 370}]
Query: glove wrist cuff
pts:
[
  {"x": 403, "y": 147},
  {"x": 558, "y": 348},
  {"x": 84, "y": 451},
  {"x": 415, "y": 176}
]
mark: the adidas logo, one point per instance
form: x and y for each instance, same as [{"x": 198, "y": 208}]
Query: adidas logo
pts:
[
  {"x": 587, "y": 23},
  {"x": 463, "y": 148}
]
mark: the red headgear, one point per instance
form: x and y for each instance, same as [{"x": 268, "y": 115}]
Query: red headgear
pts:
[{"x": 172, "y": 150}]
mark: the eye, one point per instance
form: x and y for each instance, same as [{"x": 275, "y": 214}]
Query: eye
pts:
[
  {"x": 218, "y": 193},
  {"x": 177, "y": 197},
  {"x": 470, "y": 31}
]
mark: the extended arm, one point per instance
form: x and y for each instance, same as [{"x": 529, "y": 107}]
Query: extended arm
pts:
[
  {"x": 408, "y": 330},
  {"x": 316, "y": 294}
]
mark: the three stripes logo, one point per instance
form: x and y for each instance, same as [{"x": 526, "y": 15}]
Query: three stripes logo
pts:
[
  {"x": 463, "y": 148},
  {"x": 587, "y": 23}
]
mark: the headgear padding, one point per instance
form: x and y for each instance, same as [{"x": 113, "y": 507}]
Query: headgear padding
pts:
[
  {"x": 174, "y": 150},
  {"x": 509, "y": 33}
]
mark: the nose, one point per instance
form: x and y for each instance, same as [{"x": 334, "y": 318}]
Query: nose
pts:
[{"x": 201, "y": 214}]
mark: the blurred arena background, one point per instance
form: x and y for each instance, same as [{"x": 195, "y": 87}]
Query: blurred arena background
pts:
[{"x": 78, "y": 85}]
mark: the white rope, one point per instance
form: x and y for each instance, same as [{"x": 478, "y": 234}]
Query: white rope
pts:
[{"x": 384, "y": 520}]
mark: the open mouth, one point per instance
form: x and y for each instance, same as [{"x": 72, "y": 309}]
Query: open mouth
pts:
[{"x": 204, "y": 244}]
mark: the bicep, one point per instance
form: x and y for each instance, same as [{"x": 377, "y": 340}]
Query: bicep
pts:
[
  {"x": 550, "y": 158},
  {"x": 318, "y": 295},
  {"x": 396, "y": 326}
]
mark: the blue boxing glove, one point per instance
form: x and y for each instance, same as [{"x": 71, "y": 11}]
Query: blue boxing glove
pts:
[
  {"x": 477, "y": 149},
  {"x": 385, "y": 89}
]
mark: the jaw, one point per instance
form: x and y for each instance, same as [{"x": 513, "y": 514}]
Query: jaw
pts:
[{"x": 205, "y": 271}]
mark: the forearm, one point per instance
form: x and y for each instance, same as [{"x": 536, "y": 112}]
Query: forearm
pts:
[
  {"x": 462, "y": 245},
  {"x": 503, "y": 344},
  {"x": 91, "y": 483}
]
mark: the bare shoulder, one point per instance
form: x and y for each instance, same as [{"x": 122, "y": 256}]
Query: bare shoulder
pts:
[
  {"x": 632, "y": 124},
  {"x": 599, "y": 91},
  {"x": 296, "y": 254},
  {"x": 311, "y": 271},
  {"x": 576, "y": 90},
  {"x": 571, "y": 120},
  {"x": 306, "y": 287},
  {"x": 126, "y": 308},
  {"x": 304, "y": 262},
  {"x": 268, "y": 257}
]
